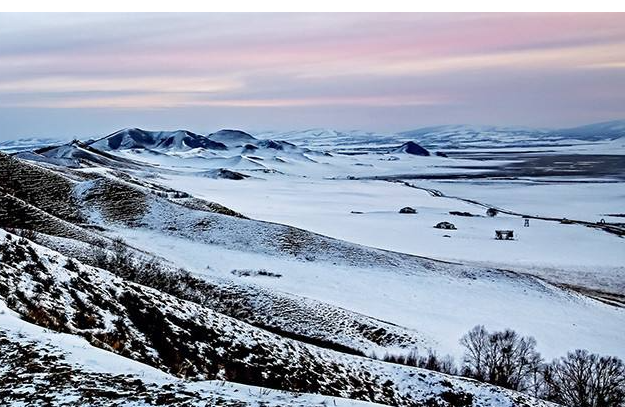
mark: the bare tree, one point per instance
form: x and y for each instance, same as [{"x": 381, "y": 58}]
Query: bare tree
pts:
[
  {"x": 503, "y": 358},
  {"x": 582, "y": 379},
  {"x": 476, "y": 343}
]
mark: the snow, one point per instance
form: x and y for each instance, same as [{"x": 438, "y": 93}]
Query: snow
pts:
[
  {"x": 26, "y": 144},
  {"x": 317, "y": 196},
  {"x": 78, "y": 351},
  {"x": 456, "y": 136},
  {"x": 325, "y": 206}
]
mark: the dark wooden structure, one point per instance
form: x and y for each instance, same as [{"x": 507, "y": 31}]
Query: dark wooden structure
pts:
[{"x": 504, "y": 234}]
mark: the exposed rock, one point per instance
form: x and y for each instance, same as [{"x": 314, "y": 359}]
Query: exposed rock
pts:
[{"x": 445, "y": 225}]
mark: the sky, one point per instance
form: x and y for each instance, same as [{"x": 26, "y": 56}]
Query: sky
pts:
[{"x": 79, "y": 75}]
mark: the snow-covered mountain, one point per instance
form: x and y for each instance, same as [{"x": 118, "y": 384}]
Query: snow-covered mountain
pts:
[
  {"x": 75, "y": 154},
  {"x": 328, "y": 139},
  {"x": 218, "y": 154},
  {"x": 179, "y": 140},
  {"x": 467, "y": 136},
  {"x": 611, "y": 130},
  {"x": 232, "y": 138},
  {"x": 433, "y": 137},
  {"x": 454, "y": 136}
]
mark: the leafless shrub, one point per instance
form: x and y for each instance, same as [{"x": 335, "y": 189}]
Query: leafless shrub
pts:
[
  {"x": 492, "y": 212},
  {"x": 431, "y": 361}
]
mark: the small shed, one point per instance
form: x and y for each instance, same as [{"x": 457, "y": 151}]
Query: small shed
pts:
[
  {"x": 407, "y": 209},
  {"x": 504, "y": 234},
  {"x": 445, "y": 225}
]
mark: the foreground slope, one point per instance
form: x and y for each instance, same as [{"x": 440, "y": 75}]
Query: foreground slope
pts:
[
  {"x": 43, "y": 367},
  {"x": 190, "y": 341}
]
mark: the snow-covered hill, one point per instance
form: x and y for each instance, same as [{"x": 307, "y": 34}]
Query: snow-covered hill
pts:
[
  {"x": 413, "y": 148},
  {"x": 232, "y": 138},
  {"x": 27, "y": 144},
  {"x": 179, "y": 140},
  {"x": 42, "y": 367},
  {"x": 188, "y": 340},
  {"x": 611, "y": 130},
  {"x": 465, "y": 136}
]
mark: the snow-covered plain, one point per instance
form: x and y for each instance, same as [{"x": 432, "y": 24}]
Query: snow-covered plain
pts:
[{"x": 579, "y": 254}]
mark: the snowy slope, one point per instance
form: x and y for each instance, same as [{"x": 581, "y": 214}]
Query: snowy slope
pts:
[
  {"x": 32, "y": 358},
  {"x": 190, "y": 341},
  {"x": 425, "y": 292},
  {"x": 232, "y": 138},
  {"x": 325, "y": 206},
  {"x": 328, "y": 139}
]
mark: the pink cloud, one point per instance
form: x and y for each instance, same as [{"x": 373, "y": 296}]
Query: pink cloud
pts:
[{"x": 305, "y": 60}]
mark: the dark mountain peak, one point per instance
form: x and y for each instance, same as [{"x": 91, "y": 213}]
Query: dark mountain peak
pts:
[
  {"x": 276, "y": 144},
  {"x": 410, "y": 147}
]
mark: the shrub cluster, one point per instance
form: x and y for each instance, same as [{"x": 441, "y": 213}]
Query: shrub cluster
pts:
[
  {"x": 431, "y": 361},
  {"x": 509, "y": 360},
  {"x": 579, "y": 379}
]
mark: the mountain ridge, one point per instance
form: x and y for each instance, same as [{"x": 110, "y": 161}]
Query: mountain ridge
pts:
[{"x": 438, "y": 136}]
